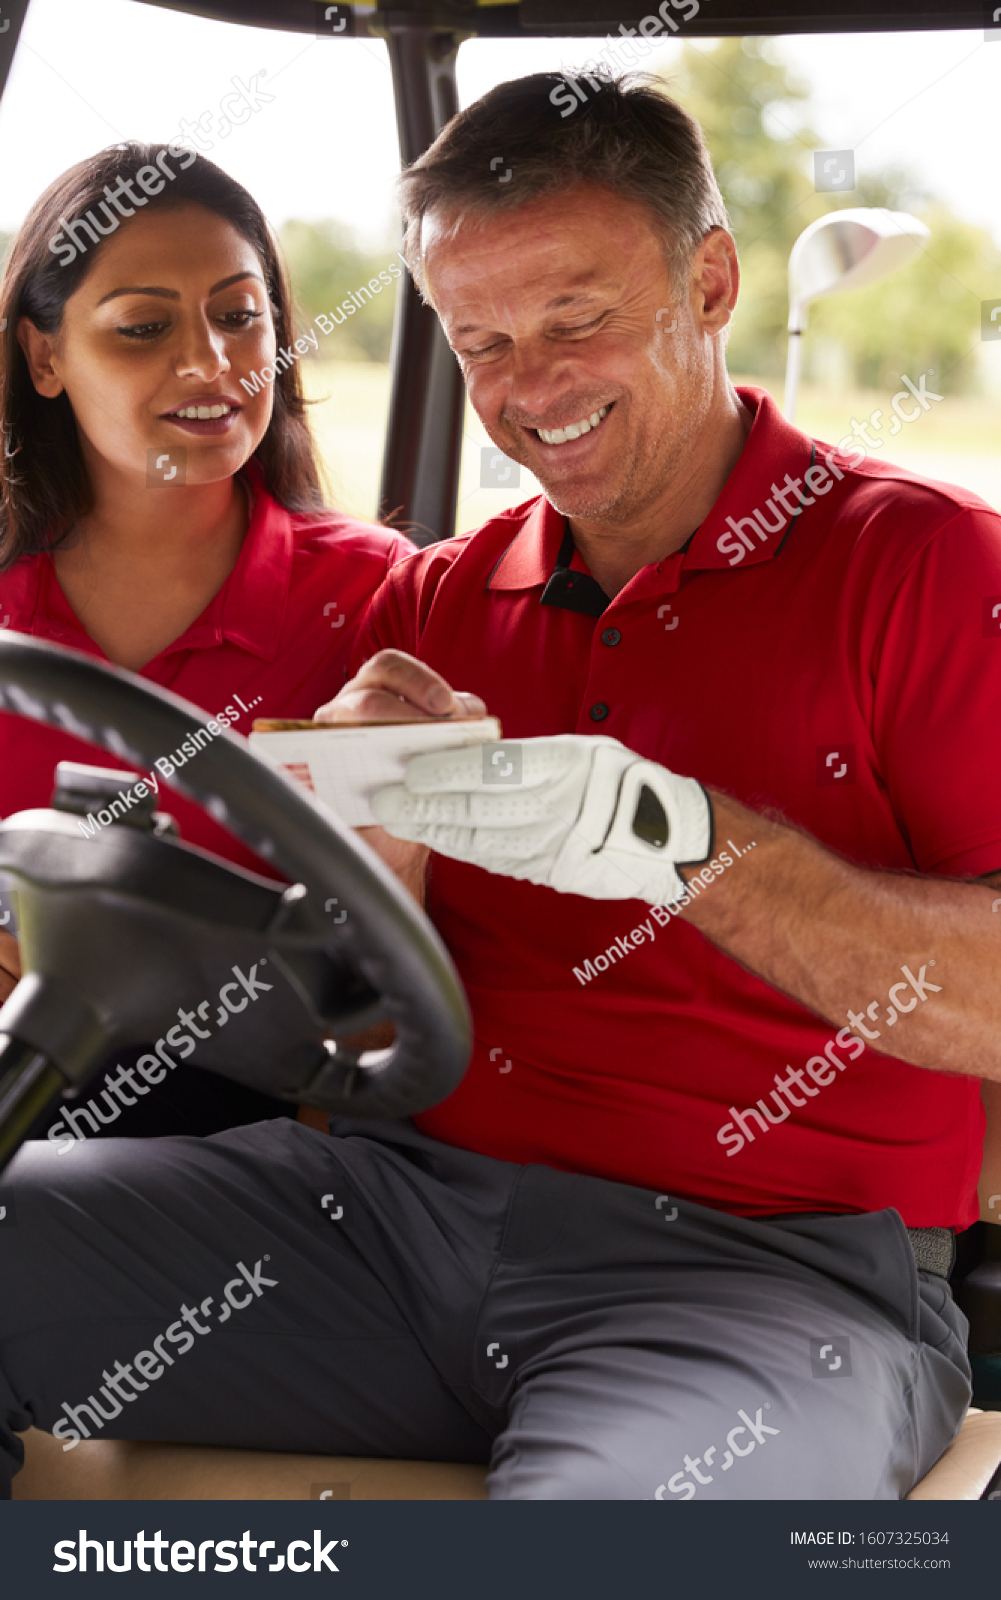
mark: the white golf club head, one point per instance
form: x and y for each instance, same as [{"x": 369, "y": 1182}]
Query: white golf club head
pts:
[
  {"x": 843, "y": 250},
  {"x": 847, "y": 249}
]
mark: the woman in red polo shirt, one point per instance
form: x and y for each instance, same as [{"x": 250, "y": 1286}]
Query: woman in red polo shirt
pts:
[{"x": 160, "y": 505}]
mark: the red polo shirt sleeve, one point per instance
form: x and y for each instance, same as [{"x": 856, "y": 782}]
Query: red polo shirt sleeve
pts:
[{"x": 399, "y": 611}]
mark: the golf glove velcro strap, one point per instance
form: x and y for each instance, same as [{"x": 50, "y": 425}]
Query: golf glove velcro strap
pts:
[
  {"x": 660, "y": 820},
  {"x": 583, "y": 816}
]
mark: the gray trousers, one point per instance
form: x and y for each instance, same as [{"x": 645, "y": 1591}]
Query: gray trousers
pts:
[{"x": 376, "y": 1293}]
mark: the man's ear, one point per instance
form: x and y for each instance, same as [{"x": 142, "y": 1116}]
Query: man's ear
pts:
[
  {"x": 717, "y": 278},
  {"x": 39, "y": 349}
]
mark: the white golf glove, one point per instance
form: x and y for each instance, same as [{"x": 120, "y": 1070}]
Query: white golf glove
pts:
[{"x": 580, "y": 814}]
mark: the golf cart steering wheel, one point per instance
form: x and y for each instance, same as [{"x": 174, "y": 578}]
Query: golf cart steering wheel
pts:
[{"x": 124, "y": 927}]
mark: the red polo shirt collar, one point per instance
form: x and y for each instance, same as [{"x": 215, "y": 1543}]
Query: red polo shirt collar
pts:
[
  {"x": 773, "y": 448},
  {"x": 248, "y": 610}
]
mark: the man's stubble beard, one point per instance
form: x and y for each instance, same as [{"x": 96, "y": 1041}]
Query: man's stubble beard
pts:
[{"x": 620, "y": 504}]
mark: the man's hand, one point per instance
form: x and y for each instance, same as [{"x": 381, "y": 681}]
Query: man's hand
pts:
[
  {"x": 586, "y": 816},
  {"x": 10, "y": 965},
  {"x": 394, "y": 687}
]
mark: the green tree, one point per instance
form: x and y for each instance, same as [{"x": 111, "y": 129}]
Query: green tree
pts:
[
  {"x": 926, "y": 317},
  {"x": 326, "y": 265},
  {"x": 755, "y": 113}
]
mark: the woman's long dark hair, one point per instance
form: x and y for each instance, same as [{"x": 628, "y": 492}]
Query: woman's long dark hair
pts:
[{"x": 44, "y": 487}]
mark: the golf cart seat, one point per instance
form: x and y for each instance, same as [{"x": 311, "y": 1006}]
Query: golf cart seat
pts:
[
  {"x": 117, "y": 1470},
  {"x": 120, "y": 1470}
]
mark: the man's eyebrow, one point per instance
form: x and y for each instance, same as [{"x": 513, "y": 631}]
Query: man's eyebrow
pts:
[
  {"x": 172, "y": 294},
  {"x": 559, "y": 303},
  {"x": 562, "y": 300}
]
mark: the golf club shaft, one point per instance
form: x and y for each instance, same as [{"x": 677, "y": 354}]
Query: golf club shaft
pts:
[{"x": 793, "y": 360}]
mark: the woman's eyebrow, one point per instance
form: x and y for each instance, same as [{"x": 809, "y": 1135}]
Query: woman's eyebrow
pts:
[{"x": 172, "y": 294}]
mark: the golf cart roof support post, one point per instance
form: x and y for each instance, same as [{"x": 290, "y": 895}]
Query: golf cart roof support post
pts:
[
  {"x": 13, "y": 15},
  {"x": 420, "y": 469}
]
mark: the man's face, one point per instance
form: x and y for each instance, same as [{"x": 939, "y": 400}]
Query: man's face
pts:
[{"x": 562, "y": 313}]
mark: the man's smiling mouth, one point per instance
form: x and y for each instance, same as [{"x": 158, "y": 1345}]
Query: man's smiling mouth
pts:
[{"x": 573, "y": 430}]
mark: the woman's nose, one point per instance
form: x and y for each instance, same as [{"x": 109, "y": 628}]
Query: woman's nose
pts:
[{"x": 202, "y": 351}]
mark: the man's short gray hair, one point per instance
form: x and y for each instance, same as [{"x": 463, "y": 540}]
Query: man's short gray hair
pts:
[{"x": 516, "y": 144}]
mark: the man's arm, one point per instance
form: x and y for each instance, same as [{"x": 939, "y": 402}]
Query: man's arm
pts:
[{"x": 835, "y": 937}]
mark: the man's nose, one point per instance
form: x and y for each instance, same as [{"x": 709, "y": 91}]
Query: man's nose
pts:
[{"x": 539, "y": 377}]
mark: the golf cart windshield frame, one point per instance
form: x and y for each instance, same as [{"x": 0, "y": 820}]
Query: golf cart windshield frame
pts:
[{"x": 421, "y": 460}]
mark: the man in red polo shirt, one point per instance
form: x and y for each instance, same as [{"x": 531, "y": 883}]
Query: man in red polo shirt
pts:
[
  {"x": 805, "y": 632},
  {"x": 684, "y": 1229}
]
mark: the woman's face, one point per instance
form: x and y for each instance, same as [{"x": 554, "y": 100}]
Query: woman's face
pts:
[{"x": 172, "y": 315}]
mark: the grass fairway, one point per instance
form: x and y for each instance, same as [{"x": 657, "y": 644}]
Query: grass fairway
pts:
[
  {"x": 956, "y": 440},
  {"x": 349, "y": 422},
  {"x": 349, "y": 425}
]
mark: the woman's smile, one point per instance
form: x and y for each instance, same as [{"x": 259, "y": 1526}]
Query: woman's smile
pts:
[{"x": 205, "y": 414}]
